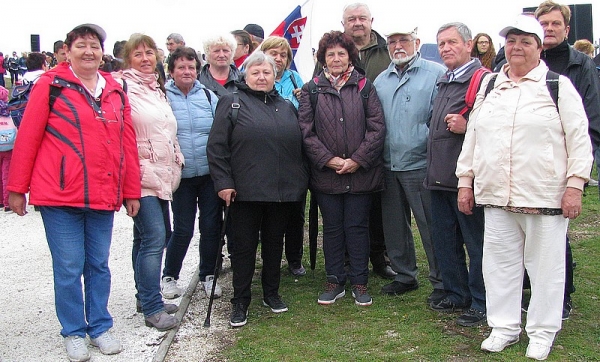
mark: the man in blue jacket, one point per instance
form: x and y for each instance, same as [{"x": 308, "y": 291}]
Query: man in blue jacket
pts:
[{"x": 406, "y": 90}]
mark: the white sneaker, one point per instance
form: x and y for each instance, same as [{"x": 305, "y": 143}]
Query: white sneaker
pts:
[
  {"x": 77, "y": 350},
  {"x": 208, "y": 283},
  {"x": 497, "y": 344},
  {"x": 169, "y": 288},
  {"x": 537, "y": 351},
  {"x": 107, "y": 343}
]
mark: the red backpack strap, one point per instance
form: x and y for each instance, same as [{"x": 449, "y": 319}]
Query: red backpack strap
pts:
[{"x": 474, "y": 85}]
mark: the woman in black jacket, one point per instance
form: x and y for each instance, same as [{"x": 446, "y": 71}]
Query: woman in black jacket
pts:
[{"x": 255, "y": 159}]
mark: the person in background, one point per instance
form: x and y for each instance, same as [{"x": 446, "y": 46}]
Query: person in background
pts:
[
  {"x": 219, "y": 74},
  {"x": 452, "y": 231},
  {"x": 484, "y": 50},
  {"x": 287, "y": 84},
  {"x": 256, "y": 163},
  {"x": 194, "y": 108},
  {"x": 579, "y": 68},
  {"x": 23, "y": 63},
  {"x": 256, "y": 33},
  {"x": 526, "y": 217},
  {"x": 13, "y": 69},
  {"x": 406, "y": 90},
  {"x": 60, "y": 55},
  {"x": 243, "y": 48},
  {"x": 174, "y": 41},
  {"x": 2, "y": 70},
  {"x": 346, "y": 163},
  {"x": 36, "y": 66},
  {"x": 160, "y": 162},
  {"x": 585, "y": 46},
  {"x": 8, "y": 134},
  {"x": 78, "y": 192}
]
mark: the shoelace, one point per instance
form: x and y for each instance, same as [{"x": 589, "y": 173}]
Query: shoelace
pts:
[
  {"x": 330, "y": 286},
  {"x": 78, "y": 343},
  {"x": 361, "y": 289}
]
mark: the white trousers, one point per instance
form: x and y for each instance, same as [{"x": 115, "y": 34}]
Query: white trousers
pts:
[{"x": 515, "y": 242}]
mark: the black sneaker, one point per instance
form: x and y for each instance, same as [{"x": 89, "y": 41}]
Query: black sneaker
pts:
[
  {"x": 360, "y": 295},
  {"x": 239, "y": 315},
  {"x": 397, "y": 288},
  {"x": 446, "y": 306},
  {"x": 436, "y": 296},
  {"x": 275, "y": 303},
  {"x": 333, "y": 291},
  {"x": 297, "y": 270},
  {"x": 471, "y": 318},
  {"x": 567, "y": 307}
]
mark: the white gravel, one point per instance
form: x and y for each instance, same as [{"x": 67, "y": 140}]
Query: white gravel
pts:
[{"x": 30, "y": 331}]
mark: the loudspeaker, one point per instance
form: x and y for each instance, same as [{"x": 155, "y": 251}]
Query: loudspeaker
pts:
[
  {"x": 35, "y": 43},
  {"x": 581, "y": 22}
]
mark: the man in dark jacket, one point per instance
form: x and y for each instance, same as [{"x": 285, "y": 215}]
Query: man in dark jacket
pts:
[
  {"x": 451, "y": 230},
  {"x": 579, "y": 68}
]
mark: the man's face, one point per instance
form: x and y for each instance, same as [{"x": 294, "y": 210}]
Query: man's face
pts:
[
  {"x": 61, "y": 55},
  {"x": 357, "y": 22},
  {"x": 402, "y": 48},
  {"x": 453, "y": 50},
  {"x": 555, "y": 29},
  {"x": 172, "y": 45}
]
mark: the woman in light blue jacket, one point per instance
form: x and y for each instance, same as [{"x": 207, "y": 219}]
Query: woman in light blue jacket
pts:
[{"x": 194, "y": 106}]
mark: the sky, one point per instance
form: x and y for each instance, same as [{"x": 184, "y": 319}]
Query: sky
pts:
[{"x": 199, "y": 19}]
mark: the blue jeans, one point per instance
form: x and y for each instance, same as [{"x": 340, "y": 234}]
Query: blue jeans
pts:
[
  {"x": 452, "y": 232},
  {"x": 346, "y": 228},
  {"x": 79, "y": 241},
  {"x": 149, "y": 231},
  {"x": 195, "y": 191}
]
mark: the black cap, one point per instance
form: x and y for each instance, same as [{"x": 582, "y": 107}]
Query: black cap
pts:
[{"x": 255, "y": 30}]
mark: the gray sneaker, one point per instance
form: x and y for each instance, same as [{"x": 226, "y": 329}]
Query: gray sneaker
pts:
[
  {"x": 107, "y": 343},
  {"x": 77, "y": 350},
  {"x": 161, "y": 321},
  {"x": 333, "y": 291},
  {"x": 361, "y": 297}
]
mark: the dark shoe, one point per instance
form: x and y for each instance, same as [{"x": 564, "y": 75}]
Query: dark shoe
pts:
[
  {"x": 169, "y": 308},
  {"x": 360, "y": 295},
  {"x": 8, "y": 210},
  {"x": 161, "y": 321},
  {"x": 447, "y": 306},
  {"x": 471, "y": 318},
  {"x": 385, "y": 271},
  {"x": 275, "y": 303},
  {"x": 297, "y": 271},
  {"x": 567, "y": 307},
  {"x": 436, "y": 296},
  {"x": 397, "y": 288},
  {"x": 333, "y": 291},
  {"x": 239, "y": 315}
]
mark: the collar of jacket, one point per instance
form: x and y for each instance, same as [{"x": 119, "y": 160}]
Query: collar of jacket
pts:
[
  {"x": 466, "y": 76},
  {"x": 171, "y": 87}
]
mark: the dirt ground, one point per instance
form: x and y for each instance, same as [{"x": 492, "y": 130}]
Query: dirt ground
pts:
[{"x": 30, "y": 331}]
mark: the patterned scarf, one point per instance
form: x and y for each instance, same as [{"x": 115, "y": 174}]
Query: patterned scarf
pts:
[{"x": 339, "y": 81}]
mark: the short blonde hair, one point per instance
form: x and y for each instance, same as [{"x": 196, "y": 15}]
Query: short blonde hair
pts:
[
  {"x": 278, "y": 42},
  {"x": 549, "y": 6},
  {"x": 585, "y": 46}
]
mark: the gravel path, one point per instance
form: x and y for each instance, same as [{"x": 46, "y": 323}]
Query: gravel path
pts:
[{"x": 29, "y": 329}]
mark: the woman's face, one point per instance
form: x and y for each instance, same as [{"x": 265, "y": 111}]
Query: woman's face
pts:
[
  {"x": 241, "y": 49},
  {"x": 281, "y": 58},
  {"x": 337, "y": 60},
  {"x": 219, "y": 56},
  {"x": 260, "y": 77},
  {"x": 184, "y": 73},
  {"x": 143, "y": 59},
  {"x": 522, "y": 51},
  {"x": 85, "y": 54},
  {"x": 483, "y": 44}
]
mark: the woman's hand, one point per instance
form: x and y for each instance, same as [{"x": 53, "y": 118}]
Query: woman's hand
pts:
[
  {"x": 132, "y": 206},
  {"x": 349, "y": 166},
  {"x": 297, "y": 92},
  {"x": 227, "y": 195},
  {"x": 571, "y": 203},
  {"x": 336, "y": 163},
  {"x": 466, "y": 200},
  {"x": 17, "y": 202}
]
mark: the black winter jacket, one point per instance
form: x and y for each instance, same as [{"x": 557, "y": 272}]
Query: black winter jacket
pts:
[
  {"x": 260, "y": 156},
  {"x": 339, "y": 127},
  {"x": 209, "y": 82}
]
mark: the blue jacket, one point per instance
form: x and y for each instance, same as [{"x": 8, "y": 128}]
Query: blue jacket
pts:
[
  {"x": 407, "y": 101},
  {"x": 194, "y": 114},
  {"x": 285, "y": 86}
]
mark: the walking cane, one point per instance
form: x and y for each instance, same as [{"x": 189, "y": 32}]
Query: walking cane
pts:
[{"x": 217, "y": 266}]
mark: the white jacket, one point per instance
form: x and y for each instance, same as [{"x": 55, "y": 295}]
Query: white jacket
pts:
[{"x": 518, "y": 149}]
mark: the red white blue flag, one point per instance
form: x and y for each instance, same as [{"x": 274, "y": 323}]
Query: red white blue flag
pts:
[{"x": 296, "y": 29}]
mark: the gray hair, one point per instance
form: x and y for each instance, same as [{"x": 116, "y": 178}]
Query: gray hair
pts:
[
  {"x": 462, "y": 29},
  {"x": 220, "y": 40},
  {"x": 257, "y": 58},
  {"x": 176, "y": 37},
  {"x": 356, "y": 6}
]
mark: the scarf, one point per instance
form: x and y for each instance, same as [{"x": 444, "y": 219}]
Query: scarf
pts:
[
  {"x": 149, "y": 80},
  {"x": 339, "y": 81}
]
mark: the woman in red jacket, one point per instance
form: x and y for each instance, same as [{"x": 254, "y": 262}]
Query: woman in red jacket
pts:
[{"x": 76, "y": 156}]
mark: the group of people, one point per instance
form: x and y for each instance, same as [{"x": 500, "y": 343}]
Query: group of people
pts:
[{"x": 379, "y": 134}]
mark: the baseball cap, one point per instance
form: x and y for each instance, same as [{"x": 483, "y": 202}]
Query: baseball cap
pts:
[
  {"x": 526, "y": 24},
  {"x": 255, "y": 30},
  {"x": 95, "y": 28},
  {"x": 403, "y": 31}
]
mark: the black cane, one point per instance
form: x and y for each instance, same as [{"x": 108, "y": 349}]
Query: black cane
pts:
[{"x": 217, "y": 266}]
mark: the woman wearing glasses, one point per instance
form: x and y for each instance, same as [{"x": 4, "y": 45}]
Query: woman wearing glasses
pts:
[{"x": 484, "y": 49}]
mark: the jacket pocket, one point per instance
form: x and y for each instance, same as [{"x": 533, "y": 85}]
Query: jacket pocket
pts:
[{"x": 61, "y": 181}]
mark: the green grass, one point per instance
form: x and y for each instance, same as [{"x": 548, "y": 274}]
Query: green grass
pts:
[{"x": 403, "y": 328}]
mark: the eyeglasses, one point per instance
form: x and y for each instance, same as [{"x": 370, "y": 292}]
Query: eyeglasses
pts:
[
  {"x": 401, "y": 41},
  {"x": 483, "y": 42}
]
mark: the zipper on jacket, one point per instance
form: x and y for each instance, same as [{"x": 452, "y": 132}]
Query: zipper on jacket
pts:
[{"x": 62, "y": 173}]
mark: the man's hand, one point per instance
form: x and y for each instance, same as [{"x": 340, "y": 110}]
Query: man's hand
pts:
[{"x": 456, "y": 123}]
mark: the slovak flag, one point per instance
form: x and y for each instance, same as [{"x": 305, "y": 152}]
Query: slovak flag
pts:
[{"x": 296, "y": 29}]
